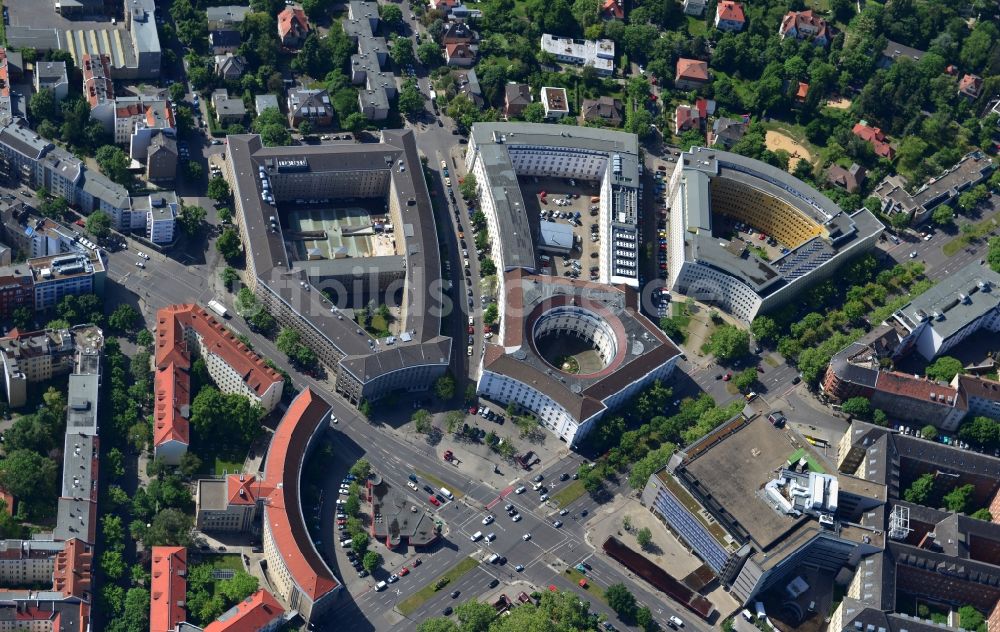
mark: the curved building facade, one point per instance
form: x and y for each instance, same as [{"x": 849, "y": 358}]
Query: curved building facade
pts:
[{"x": 815, "y": 235}]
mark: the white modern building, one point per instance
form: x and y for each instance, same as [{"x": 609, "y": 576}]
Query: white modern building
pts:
[
  {"x": 597, "y": 53},
  {"x": 814, "y": 236}
]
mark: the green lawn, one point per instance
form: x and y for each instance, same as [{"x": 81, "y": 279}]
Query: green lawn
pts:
[
  {"x": 980, "y": 230},
  {"x": 418, "y": 598},
  {"x": 575, "y": 576},
  {"x": 568, "y": 494},
  {"x": 222, "y": 466},
  {"x": 230, "y": 561},
  {"x": 437, "y": 482},
  {"x": 696, "y": 26}
]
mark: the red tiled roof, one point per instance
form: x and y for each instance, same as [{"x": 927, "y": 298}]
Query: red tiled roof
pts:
[
  {"x": 905, "y": 385},
  {"x": 970, "y": 85},
  {"x": 252, "y": 489},
  {"x": 874, "y": 136},
  {"x": 292, "y": 19},
  {"x": 252, "y": 614},
  {"x": 803, "y": 90},
  {"x": 800, "y": 19},
  {"x": 217, "y": 338},
  {"x": 167, "y": 588},
  {"x": 72, "y": 574},
  {"x": 131, "y": 109},
  {"x": 459, "y": 49},
  {"x": 692, "y": 69},
  {"x": 282, "y": 512},
  {"x": 614, "y": 9},
  {"x": 684, "y": 117},
  {"x": 729, "y": 10},
  {"x": 172, "y": 392}
]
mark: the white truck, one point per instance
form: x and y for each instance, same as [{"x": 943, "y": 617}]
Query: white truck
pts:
[{"x": 218, "y": 308}]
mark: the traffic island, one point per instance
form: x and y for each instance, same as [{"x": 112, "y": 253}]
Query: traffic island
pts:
[{"x": 442, "y": 582}]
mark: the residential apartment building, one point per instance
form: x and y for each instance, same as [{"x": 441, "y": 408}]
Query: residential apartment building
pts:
[
  {"x": 293, "y": 26},
  {"x": 604, "y": 110},
  {"x": 51, "y": 75},
  {"x": 974, "y": 168},
  {"x": 138, "y": 120},
  {"x": 517, "y": 96},
  {"x": 600, "y": 54},
  {"x": 231, "y": 504},
  {"x": 161, "y": 158},
  {"x": 168, "y": 588},
  {"x": 57, "y": 276},
  {"x": 555, "y": 102},
  {"x": 38, "y": 356},
  {"x": 228, "y": 109},
  {"x": 691, "y": 74},
  {"x": 309, "y": 105},
  {"x": 729, "y": 16},
  {"x": 260, "y": 612},
  {"x": 369, "y": 65},
  {"x": 98, "y": 88},
  {"x": 805, "y": 25},
  {"x": 186, "y": 331},
  {"x": 16, "y": 291}
]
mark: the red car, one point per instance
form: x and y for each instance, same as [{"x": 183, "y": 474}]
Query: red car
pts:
[
  {"x": 472, "y": 329},
  {"x": 472, "y": 410},
  {"x": 434, "y": 501},
  {"x": 727, "y": 376},
  {"x": 403, "y": 572},
  {"x": 762, "y": 236}
]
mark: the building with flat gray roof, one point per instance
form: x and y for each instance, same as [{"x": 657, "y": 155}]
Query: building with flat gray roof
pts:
[
  {"x": 757, "y": 510},
  {"x": 816, "y": 235},
  {"x": 972, "y": 169},
  {"x": 379, "y": 86},
  {"x": 961, "y": 304},
  {"x": 269, "y": 181}
]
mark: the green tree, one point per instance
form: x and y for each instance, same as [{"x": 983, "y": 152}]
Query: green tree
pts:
[
  {"x": 230, "y": 277},
  {"x": 359, "y": 543},
  {"x": 99, "y": 224},
  {"x": 644, "y": 537},
  {"x": 429, "y": 53},
  {"x": 491, "y": 314},
  {"x": 468, "y": 188},
  {"x": 453, "y": 420},
  {"x": 728, "y": 343},
  {"x": 191, "y": 219},
  {"x": 929, "y": 432},
  {"x": 745, "y": 379},
  {"x": 169, "y": 527},
  {"x": 957, "y": 500},
  {"x": 982, "y": 514},
  {"x": 981, "y": 431},
  {"x": 644, "y": 618},
  {"x": 444, "y": 387},
  {"x": 402, "y": 51},
  {"x": 114, "y": 163},
  {"x": 218, "y": 189},
  {"x": 421, "y": 421},
  {"x": 621, "y": 600},
  {"x": 475, "y": 615},
  {"x": 765, "y": 329},
  {"x": 920, "y": 490},
  {"x": 437, "y": 624},
  {"x": 487, "y": 268},
  {"x": 305, "y": 128},
  {"x": 124, "y": 319},
  {"x": 32, "y": 479},
  {"x": 391, "y": 14},
  {"x": 112, "y": 565},
  {"x": 943, "y": 215},
  {"x": 228, "y": 244},
  {"x": 945, "y": 368},
  {"x": 352, "y": 506},
  {"x": 857, "y": 407},
  {"x": 411, "y": 101},
  {"x": 144, "y": 338},
  {"x": 370, "y": 561},
  {"x": 43, "y": 106},
  {"x": 238, "y": 587},
  {"x": 22, "y": 317},
  {"x": 362, "y": 469}
]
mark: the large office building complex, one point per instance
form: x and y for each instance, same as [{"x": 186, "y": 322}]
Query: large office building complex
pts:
[
  {"x": 625, "y": 351},
  {"x": 712, "y": 192},
  {"x": 760, "y": 528},
  {"x": 328, "y": 228}
]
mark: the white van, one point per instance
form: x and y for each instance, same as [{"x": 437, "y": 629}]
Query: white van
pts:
[
  {"x": 447, "y": 494},
  {"x": 380, "y": 586},
  {"x": 346, "y": 543},
  {"x": 494, "y": 558},
  {"x": 475, "y": 537}
]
